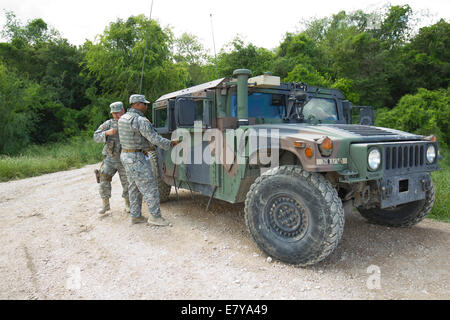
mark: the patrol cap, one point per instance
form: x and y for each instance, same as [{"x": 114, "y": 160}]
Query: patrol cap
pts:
[
  {"x": 116, "y": 106},
  {"x": 135, "y": 98}
]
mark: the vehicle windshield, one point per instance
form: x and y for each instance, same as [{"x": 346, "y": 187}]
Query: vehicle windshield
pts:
[
  {"x": 320, "y": 109},
  {"x": 261, "y": 105}
]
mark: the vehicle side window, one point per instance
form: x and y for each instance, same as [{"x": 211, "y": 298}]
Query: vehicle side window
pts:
[
  {"x": 160, "y": 120},
  {"x": 189, "y": 110}
]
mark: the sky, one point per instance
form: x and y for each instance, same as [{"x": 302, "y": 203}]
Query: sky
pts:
[{"x": 261, "y": 22}]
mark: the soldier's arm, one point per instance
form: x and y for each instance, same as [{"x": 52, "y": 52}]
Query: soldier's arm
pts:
[
  {"x": 147, "y": 130},
  {"x": 100, "y": 133}
]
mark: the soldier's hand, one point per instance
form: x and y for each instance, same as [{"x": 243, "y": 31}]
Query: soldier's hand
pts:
[
  {"x": 175, "y": 142},
  {"x": 111, "y": 132}
]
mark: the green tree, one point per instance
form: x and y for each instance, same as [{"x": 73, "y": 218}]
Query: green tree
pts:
[
  {"x": 241, "y": 56},
  {"x": 34, "y": 33},
  {"x": 189, "y": 51},
  {"x": 428, "y": 57},
  {"x": 115, "y": 60},
  {"x": 364, "y": 47},
  {"x": 296, "y": 50},
  {"x": 37, "y": 51},
  {"x": 395, "y": 29},
  {"x": 50, "y": 87},
  {"x": 426, "y": 112},
  {"x": 16, "y": 122}
]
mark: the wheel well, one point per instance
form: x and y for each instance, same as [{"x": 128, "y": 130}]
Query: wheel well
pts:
[
  {"x": 288, "y": 158},
  {"x": 285, "y": 157}
]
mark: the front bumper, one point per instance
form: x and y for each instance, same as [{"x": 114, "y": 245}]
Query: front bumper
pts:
[
  {"x": 396, "y": 190},
  {"x": 403, "y": 175}
]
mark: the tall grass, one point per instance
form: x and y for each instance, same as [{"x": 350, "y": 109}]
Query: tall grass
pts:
[
  {"x": 37, "y": 160},
  {"x": 441, "y": 181}
]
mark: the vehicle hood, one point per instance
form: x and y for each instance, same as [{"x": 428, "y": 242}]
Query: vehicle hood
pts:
[{"x": 352, "y": 132}]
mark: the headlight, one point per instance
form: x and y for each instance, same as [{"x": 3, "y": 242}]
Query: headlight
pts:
[
  {"x": 431, "y": 154},
  {"x": 374, "y": 159},
  {"x": 326, "y": 147}
]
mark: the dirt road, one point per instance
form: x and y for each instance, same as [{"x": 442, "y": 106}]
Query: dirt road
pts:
[{"x": 55, "y": 246}]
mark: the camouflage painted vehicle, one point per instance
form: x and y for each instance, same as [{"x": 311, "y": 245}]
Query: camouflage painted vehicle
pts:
[{"x": 295, "y": 209}]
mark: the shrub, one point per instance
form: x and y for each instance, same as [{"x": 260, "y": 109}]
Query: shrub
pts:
[{"x": 426, "y": 112}]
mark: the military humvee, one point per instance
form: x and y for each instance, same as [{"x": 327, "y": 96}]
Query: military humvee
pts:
[{"x": 320, "y": 161}]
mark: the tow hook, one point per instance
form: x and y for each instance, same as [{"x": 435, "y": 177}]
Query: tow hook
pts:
[
  {"x": 386, "y": 190},
  {"x": 426, "y": 183}
]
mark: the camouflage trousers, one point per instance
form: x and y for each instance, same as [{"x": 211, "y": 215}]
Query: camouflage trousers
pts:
[
  {"x": 142, "y": 184},
  {"x": 109, "y": 168}
]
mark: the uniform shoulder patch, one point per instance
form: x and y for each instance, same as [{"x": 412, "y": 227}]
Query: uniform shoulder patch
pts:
[
  {"x": 104, "y": 125},
  {"x": 146, "y": 120}
]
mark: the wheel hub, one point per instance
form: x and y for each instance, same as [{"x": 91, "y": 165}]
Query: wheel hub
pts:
[{"x": 286, "y": 216}]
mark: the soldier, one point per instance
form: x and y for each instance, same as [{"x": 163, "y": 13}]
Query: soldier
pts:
[
  {"x": 137, "y": 136},
  {"x": 107, "y": 133}
]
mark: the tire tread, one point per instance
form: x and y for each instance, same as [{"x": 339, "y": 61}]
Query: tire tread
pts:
[{"x": 335, "y": 216}]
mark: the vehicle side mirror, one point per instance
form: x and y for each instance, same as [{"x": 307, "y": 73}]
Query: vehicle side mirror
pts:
[
  {"x": 347, "y": 109},
  {"x": 366, "y": 116}
]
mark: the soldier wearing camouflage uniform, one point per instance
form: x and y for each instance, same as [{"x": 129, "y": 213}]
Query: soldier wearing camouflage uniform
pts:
[
  {"x": 107, "y": 134},
  {"x": 138, "y": 136}
]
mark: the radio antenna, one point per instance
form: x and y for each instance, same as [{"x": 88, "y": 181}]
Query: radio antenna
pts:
[
  {"x": 145, "y": 49},
  {"x": 214, "y": 44}
]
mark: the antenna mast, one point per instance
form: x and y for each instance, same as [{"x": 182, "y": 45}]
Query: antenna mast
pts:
[
  {"x": 145, "y": 49},
  {"x": 214, "y": 44}
]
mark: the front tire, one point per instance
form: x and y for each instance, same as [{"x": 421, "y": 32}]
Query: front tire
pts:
[
  {"x": 406, "y": 215},
  {"x": 163, "y": 188},
  {"x": 294, "y": 216}
]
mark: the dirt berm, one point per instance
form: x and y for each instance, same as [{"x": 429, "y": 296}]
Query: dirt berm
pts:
[{"x": 55, "y": 246}]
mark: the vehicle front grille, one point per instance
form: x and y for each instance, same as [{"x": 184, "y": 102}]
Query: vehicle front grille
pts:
[{"x": 404, "y": 156}]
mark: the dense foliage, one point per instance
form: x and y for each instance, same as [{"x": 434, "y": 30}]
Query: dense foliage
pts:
[
  {"x": 51, "y": 90},
  {"x": 424, "y": 113}
]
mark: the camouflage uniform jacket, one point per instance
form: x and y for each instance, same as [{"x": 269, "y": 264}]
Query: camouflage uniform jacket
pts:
[
  {"x": 112, "y": 143},
  {"x": 137, "y": 132}
]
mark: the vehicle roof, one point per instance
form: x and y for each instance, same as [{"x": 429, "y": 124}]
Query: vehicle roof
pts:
[
  {"x": 218, "y": 82},
  {"x": 198, "y": 88}
]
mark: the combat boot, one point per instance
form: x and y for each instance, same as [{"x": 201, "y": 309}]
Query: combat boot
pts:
[
  {"x": 105, "y": 207},
  {"x": 127, "y": 205},
  {"x": 157, "y": 221},
  {"x": 136, "y": 220}
]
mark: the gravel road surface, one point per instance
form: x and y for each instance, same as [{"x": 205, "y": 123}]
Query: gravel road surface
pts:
[{"x": 55, "y": 246}]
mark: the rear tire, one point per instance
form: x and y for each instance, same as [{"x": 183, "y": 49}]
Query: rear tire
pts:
[
  {"x": 405, "y": 215},
  {"x": 163, "y": 188},
  {"x": 294, "y": 215}
]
